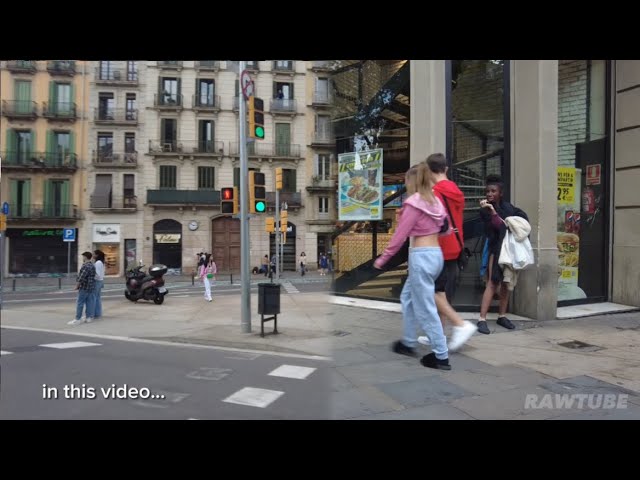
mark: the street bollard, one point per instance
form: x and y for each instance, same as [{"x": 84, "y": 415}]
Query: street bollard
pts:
[
  {"x": 14, "y": 284},
  {"x": 193, "y": 277},
  {"x": 59, "y": 283}
]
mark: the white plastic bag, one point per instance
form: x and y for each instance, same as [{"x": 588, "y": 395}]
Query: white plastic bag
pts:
[{"x": 517, "y": 255}]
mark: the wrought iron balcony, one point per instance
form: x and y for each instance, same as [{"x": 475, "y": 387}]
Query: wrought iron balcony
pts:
[
  {"x": 60, "y": 111},
  {"x": 167, "y": 101},
  {"x": 113, "y": 116},
  {"x": 205, "y": 148},
  {"x": 292, "y": 199},
  {"x": 20, "y": 109},
  {"x": 286, "y": 66},
  {"x": 108, "y": 203},
  {"x": 208, "y": 103},
  {"x": 322, "y": 99},
  {"x": 21, "y": 66},
  {"x": 170, "y": 64},
  {"x": 323, "y": 139},
  {"x": 208, "y": 65},
  {"x": 183, "y": 197},
  {"x": 114, "y": 160},
  {"x": 260, "y": 149},
  {"x": 40, "y": 160},
  {"x": 283, "y": 105},
  {"x": 62, "y": 67},
  {"x": 116, "y": 76},
  {"x": 46, "y": 211}
]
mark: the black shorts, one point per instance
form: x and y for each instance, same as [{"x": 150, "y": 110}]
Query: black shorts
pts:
[
  {"x": 446, "y": 281},
  {"x": 441, "y": 281}
]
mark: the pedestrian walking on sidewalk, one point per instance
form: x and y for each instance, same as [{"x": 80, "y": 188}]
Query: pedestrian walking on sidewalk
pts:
[
  {"x": 324, "y": 264},
  {"x": 423, "y": 219},
  {"x": 452, "y": 248},
  {"x": 303, "y": 264},
  {"x": 98, "y": 257},
  {"x": 207, "y": 274},
  {"x": 493, "y": 210},
  {"x": 85, "y": 286}
]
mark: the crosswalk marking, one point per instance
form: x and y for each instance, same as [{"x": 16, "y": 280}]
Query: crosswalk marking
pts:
[
  {"x": 2, "y": 352},
  {"x": 254, "y": 397},
  {"x": 290, "y": 288},
  {"x": 64, "y": 345},
  {"x": 292, "y": 371}
]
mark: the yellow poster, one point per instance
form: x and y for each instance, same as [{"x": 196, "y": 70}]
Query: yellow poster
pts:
[{"x": 566, "y": 185}]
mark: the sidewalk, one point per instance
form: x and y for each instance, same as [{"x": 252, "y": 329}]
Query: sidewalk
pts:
[{"x": 491, "y": 377}]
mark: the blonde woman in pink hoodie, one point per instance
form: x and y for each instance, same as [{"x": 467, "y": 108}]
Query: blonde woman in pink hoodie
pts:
[
  {"x": 207, "y": 274},
  {"x": 423, "y": 219}
]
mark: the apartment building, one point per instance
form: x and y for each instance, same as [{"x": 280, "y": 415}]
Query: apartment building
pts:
[{"x": 43, "y": 140}]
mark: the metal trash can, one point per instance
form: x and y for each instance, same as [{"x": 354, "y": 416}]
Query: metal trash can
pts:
[{"x": 268, "y": 298}]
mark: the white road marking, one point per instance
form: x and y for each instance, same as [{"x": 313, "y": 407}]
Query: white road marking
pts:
[
  {"x": 292, "y": 371},
  {"x": 64, "y": 345},
  {"x": 2, "y": 352},
  {"x": 254, "y": 397}
]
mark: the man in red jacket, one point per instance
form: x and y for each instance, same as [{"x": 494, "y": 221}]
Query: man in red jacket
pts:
[{"x": 453, "y": 200}]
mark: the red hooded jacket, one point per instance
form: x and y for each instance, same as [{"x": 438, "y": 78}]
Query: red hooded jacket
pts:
[{"x": 455, "y": 199}]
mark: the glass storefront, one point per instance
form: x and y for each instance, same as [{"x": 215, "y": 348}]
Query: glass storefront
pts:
[
  {"x": 40, "y": 252},
  {"x": 111, "y": 257}
]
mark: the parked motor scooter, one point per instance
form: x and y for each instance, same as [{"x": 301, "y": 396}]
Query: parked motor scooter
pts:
[{"x": 146, "y": 286}]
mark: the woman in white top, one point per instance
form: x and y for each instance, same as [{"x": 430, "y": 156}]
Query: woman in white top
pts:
[
  {"x": 207, "y": 272},
  {"x": 98, "y": 256}
]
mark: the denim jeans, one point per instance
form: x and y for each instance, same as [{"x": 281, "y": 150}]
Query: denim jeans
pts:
[
  {"x": 85, "y": 298},
  {"x": 97, "y": 300},
  {"x": 418, "y": 300}
]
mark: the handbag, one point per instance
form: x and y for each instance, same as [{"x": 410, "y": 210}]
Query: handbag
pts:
[
  {"x": 465, "y": 253},
  {"x": 209, "y": 275}
]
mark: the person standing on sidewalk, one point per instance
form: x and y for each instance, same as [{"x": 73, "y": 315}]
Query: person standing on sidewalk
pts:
[
  {"x": 445, "y": 286},
  {"x": 324, "y": 264},
  {"x": 422, "y": 219},
  {"x": 303, "y": 264},
  {"x": 207, "y": 274},
  {"x": 98, "y": 256},
  {"x": 493, "y": 210},
  {"x": 85, "y": 286}
]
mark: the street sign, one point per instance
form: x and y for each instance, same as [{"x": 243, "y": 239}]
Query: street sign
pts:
[
  {"x": 5, "y": 208},
  {"x": 247, "y": 85},
  {"x": 69, "y": 235}
]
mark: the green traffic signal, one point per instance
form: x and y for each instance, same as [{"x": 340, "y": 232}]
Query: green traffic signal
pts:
[
  {"x": 259, "y": 132},
  {"x": 261, "y": 206}
]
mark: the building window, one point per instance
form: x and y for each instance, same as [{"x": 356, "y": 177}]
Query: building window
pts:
[
  {"x": 322, "y": 90},
  {"x": 205, "y": 136},
  {"x": 131, "y": 106},
  {"x": 283, "y": 90},
  {"x": 323, "y": 166},
  {"x": 168, "y": 134},
  {"x": 132, "y": 71},
  {"x": 323, "y": 128},
  {"x": 288, "y": 180},
  {"x": 170, "y": 91},
  {"x": 129, "y": 142},
  {"x": 236, "y": 175},
  {"x": 105, "y": 145},
  {"x": 129, "y": 190},
  {"x": 105, "y": 70},
  {"x": 323, "y": 205},
  {"x": 206, "y": 178},
  {"x": 106, "y": 105},
  {"x": 20, "y": 198},
  {"x": 168, "y": 176},
  {"x": 205, "y": 92}
]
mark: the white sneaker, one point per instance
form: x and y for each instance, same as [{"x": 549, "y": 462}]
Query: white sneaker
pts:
[
  {"x": 88, "y": 319},
  {"x": 461, "y": 335},
  {"x": 424, "y": 341},
  {"x": 75, "y": 322}
]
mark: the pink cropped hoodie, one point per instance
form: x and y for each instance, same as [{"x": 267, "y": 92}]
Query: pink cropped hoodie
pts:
[{"x": 417, "y": 218}]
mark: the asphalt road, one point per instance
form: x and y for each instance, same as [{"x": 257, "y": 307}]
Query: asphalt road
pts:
[{"x": 193, "y": 382}]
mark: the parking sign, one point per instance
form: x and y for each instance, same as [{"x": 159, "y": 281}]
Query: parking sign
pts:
[{"x": 69, "y": 235}]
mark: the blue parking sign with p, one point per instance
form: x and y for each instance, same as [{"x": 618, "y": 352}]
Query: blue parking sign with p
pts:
[{"x": 69, "y": 235}]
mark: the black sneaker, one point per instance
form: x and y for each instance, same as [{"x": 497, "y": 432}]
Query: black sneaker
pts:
[
  {"x": 506, "y": 323},
  {"x": 401, "y": 349},
  {"x": 483, "y": 327},
  {"x": 431, "y": 361}
]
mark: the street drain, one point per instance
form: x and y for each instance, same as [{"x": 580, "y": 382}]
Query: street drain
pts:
[
  {"x": 340, "y": 333},
  {"x": 578, "y": 345}
]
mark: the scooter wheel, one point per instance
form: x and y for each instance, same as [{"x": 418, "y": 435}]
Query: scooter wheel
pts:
[
  {"x": 158, "y": 299},
  {"x": 129, "y": 297}
]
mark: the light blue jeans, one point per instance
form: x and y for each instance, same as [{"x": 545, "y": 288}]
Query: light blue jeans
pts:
[
  {"x": 85, "y": 297},
  {"x": 97, "y": 300},
  {"x": 418, "y": 300}
]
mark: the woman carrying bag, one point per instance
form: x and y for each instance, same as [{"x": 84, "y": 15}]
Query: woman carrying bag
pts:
[{"x": 207, "y": 274}]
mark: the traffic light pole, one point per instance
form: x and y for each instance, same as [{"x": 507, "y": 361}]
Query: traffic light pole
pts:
[
  {"x": 245, "y": 279},
  {"x": 277, "y": 234}
]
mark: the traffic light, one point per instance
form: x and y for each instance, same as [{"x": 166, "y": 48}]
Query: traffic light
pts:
[
  {"x": 257, "y": 192},
  {"x": 256, "y": 118},
  {"x": 229, "y": 200},
  {"x": 270, "y": 225},
  {"x": 278, "y": 178},
  {"x": 284, "y": 218}
]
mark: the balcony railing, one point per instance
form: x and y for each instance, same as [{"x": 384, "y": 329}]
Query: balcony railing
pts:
[
  {"x": 60, "y": 111},
  {"x": 46, "y": 211},
  {"x": 183, "y": 197},
  {"x": 114, "y": 116},
  {"x": 20, "y": 109},
  {"x": 259, "y": 149},
  {"x": 211, "y": 102},
  {"x": 103, "y": 203},
  {"x": 21, "y": 66},
  {"x": 110, "y": 160},
  {"x": 254, "y": 66},
  {"x": 28, "y": 159},
  {"x": 292, "y": 199},
  {"x": 284, "y": 66},
  {"x": 321, "y": 65},
  {"x": 322, "y": 98},
  {"x": 284, "y": 105},
  {"x": 204, "y": 147},
  {"x": 323, "y": 139},
  {"x": 166, "y": 100},
  {"x": 61, "y": 67},
  {"x": 116, "y": 76},
  {"x": 211, "y": 65},
  {"x": 170, "y": 64}
]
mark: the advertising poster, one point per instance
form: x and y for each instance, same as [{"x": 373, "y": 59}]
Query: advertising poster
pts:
[
  {"x": 360, "y": 186},
  {"x": 568, "y": 237}
]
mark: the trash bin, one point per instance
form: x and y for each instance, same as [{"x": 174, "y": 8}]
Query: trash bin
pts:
[{"x": 268, "y": 298}]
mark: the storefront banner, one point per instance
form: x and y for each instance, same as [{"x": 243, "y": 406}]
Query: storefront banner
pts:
[
  {"x": 106, "y": 233},
  {"x": 167, "y": 237},
  {"x": 566, "y": 185},
  {"x": 360, "y": 186}
]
